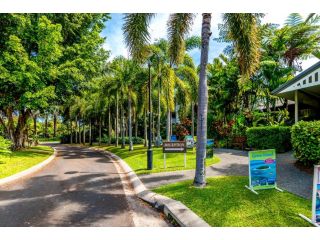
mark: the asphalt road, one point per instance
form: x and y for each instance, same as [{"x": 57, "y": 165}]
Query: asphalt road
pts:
[{"x": 80, "y": 187}]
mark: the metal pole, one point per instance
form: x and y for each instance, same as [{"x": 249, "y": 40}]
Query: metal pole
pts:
[{"x": 150, "y": 154}]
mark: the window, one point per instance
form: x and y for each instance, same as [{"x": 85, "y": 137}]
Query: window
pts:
[
  {"x": 310, "y": 79},
  {"x": 304, "y": 81},
  {"x": 316, "y": 77}
]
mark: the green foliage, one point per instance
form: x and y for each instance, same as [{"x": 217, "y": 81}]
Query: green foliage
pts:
[
  {"x": 306, "y": 142},
  {"x": 273, "y": 137},
  {"x": 4, "y": 145}
]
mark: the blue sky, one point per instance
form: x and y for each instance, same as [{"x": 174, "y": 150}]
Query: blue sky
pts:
[{"x": 115, "y": 42}]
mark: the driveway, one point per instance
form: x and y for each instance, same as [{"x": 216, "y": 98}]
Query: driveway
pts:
[
  {"x": 80, "y": 187},
  {"x": 235, "y": 163}
]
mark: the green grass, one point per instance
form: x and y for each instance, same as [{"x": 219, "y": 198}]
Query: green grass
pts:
[
  {"x": 225, "y": 202},
  {"x": 21, "y": 160},
  {"x": 137, "y": 159}
]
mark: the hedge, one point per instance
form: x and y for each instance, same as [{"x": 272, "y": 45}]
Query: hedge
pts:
[
  {"x": 269, "y": 137},
  {"x": 306, "y": 142}
]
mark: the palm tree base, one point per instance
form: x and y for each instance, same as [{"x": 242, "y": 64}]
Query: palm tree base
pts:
[{"x": 199, "y": 185}]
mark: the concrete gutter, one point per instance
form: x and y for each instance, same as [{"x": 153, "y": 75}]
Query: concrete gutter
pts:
[
  {"x": 171, "y": 208},
  {"x": 29, "y": 171}
]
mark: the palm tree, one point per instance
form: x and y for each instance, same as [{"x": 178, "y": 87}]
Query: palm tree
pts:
[{"x": 241, "y": 30}]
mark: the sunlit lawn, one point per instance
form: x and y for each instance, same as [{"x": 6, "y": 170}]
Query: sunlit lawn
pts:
[
  {"x": 137, "y": 159},
  {"x": 225, "y": 202},
  {"x": 21, "y": 160}
]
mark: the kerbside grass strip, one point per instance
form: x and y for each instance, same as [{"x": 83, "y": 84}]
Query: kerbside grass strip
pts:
[
  {"x": 15, "y": 162},
  {"x": 225, "y": 202}
]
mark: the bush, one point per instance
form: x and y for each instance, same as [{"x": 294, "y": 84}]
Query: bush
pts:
[
  {"x": 306, "y": 142},
  {"x": 270, "y": 137},
  {"x": 4, "y": 145}
]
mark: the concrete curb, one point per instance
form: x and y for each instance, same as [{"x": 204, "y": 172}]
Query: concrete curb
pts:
[
  {"x": 171, "y": 208},
  {"x": 29, "y": 171}
]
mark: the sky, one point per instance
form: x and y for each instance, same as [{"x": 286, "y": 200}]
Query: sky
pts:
[{"x": 115, "y": 41}]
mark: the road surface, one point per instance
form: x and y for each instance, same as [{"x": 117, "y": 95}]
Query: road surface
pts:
[{"x": 81, "y": 187}]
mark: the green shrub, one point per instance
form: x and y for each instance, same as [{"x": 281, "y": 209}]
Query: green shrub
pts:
[
  {"x": 306, "y": 142},
  {"x": 4, "y": 145},
  {"x": 270, "y": 137}
]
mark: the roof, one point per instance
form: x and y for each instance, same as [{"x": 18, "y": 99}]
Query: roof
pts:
[{"x": 297, "y": 78}]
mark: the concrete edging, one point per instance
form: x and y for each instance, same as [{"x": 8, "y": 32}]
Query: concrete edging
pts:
[
  {"x": 184, "y": 216},
  {"x": 29, "y": 171}
]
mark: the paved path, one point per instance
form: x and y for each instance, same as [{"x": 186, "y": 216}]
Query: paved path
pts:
[
  {"x": 79, "y": 188},
  {"x": 235, "y": 162}
]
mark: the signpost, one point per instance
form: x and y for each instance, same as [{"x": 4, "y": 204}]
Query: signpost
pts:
[
  {"x": 315, "y": 219},
  {"x": 262, "y": 170},
  {"x": 174, "y": 147},
  {"x": 189, "y": 141},
  {"x": 209, "y": 148}
]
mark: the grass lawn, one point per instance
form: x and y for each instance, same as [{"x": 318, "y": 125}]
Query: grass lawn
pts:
[
  {"x": 137, "y": 159},
  {"x": 22, "y": 160},
  {"x": 225, "y": 202}
]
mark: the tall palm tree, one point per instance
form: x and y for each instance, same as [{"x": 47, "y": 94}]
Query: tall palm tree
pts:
[{"x": 242, "y": 31}]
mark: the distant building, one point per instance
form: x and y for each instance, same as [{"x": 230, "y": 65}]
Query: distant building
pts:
[{"x": 304, "y": 90}]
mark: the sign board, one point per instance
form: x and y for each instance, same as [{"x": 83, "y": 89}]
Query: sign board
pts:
[
  {"x": 315, "y": 220},
  {"x": 209, "y": 148},
  {"x": 174, "y": 147},
  {"x": 173, "y": 138},
  {"x": 262, "y": 170},
  {"x": 316, "y": 200},
  {"x": 189, "y": 141}
]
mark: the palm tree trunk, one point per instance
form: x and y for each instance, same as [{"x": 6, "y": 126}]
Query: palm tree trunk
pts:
[
  {"x": 76, "y": 133},
  {"x": 35, "y": 130},
  {"x": 123, "y": 144},
  {"x": 71, "y": 133},
  {"x": 84, "y": 134},
  {"x": 145, "y": 129},
  {"x": 100, "y": 130},
  {"x": 54, "y": 125},
  {"x": 168, "y": 124},
  {"x": 135, "y": 125},
  {"x": 159, "y": 115},
  {"x": 90, "y": 132},
  {"x": 109, "y": 127},
  {"x": 46, "y": 126},
  {"x": 130, "y": 122},
  {"x": 79, "y": 133},
  {"x": 192, "y": 119},
  {"x": 117, "y": 120},
  {"x": 200, "y": 175}
]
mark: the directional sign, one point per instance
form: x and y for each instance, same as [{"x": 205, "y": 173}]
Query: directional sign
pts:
[{"x": 174, "y": 147}]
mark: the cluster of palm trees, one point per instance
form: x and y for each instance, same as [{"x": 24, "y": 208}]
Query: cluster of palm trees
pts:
[{"x": 175, "y": 80}]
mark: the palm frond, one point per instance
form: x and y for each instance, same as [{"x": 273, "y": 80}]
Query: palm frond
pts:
[
  {"x": 179, "y": 25},
  {"x": 136, "y": 33},
  {"x": 294, "y": 19},
  {"x": 243, "y": 31}
]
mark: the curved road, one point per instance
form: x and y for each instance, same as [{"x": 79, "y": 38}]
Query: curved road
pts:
[{"x": 81, "y": 187}]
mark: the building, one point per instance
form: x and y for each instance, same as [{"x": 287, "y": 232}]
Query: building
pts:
[{"x": 304, "y": 90}]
